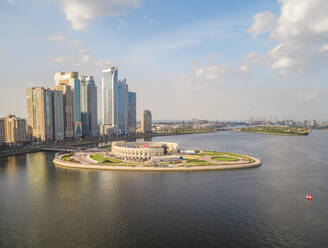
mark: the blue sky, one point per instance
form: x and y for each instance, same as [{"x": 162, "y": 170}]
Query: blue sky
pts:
[{"x": 185, "y": 59}]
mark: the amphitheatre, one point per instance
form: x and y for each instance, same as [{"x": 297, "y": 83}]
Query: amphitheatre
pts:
[{"x": 153, "y": 156}]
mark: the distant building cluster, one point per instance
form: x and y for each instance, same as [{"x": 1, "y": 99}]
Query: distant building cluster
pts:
[
  {"x": 70, "y": 109},
  {"x": 67, "y": 111},
  {"x": 118, "y": 105}
]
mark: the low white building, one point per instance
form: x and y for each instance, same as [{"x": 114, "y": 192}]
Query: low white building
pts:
[
  {"x": 171, "y": 158},
  {"x": 142, "y": 150}
]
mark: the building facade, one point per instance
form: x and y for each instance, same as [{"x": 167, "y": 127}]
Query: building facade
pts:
[
  {"x": 39, "y": 102},
  {"x": 67, "y": 109},
  {"x": 132, "y": 112},
  {"x": 89, "y": 106},
  {"x": 2, "y": 130},
  {"x": 146, "y": 122},
  {"x": 71, "y": 79},
  {"x": 15, "y": 129},
  {"x": 58, "y": 115},
  {"x": 123, "y": 101},
  {"x": 109, "y": 96},
  {"x": 142, "y": 150}
]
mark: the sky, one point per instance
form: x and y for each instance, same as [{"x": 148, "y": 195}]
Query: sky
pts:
[{"x": 210, "y": 59}]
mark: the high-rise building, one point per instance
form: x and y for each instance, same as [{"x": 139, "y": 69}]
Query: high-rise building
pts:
[
  {"x": 2, "y": 130},
  {"x": 123, "y": 101},
  {"x": 67, "y": 109},
  {"x": 115, "y": 103},
  {"x": 89, "y": 105},
  {"x": 71, "y": 79},
  {"x": 109, "y": 97},
  {"x": 15, "y": 129},
  {"x": 58, "y": 114},
  {"x": 146, "y": 122},
  {"x": 39, "y": 103},
  {"x": 132, "y": 114}
]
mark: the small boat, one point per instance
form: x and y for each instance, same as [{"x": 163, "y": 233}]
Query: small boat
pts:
[{"x": 308, "y": 197}]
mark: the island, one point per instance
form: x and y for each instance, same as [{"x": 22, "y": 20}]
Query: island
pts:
[
  {"x": 277, "y": 130},
  {"x": 153, "y": 156}
]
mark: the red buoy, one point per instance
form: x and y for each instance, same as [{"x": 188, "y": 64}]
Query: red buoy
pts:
[{"x": 308, "y": 197}]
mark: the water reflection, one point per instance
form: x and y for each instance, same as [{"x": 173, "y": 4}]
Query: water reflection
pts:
[{"x": 47, "y": 206}]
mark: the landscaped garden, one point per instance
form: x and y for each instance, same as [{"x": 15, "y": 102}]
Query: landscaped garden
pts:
[{"x": 104, "y": 159}]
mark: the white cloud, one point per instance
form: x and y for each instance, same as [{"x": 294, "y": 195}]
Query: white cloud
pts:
[
  {"x": 58, "y": 37},
  {"x": 309, "y": 95},
  {"x": 263, "y": 22},
  {"x": 82, "y": 51},
  {"x": 102, "y": 64},
  {"x": 81, "y": 12},
  {"x": 73, "y": 60},
  {"x": 324, "y": 48},
  {"x": 75, "y": 42},
  {"x": 220, "y": 71},
  {"x": 302, "y": 34}
]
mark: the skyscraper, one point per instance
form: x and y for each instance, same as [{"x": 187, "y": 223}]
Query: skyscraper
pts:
[
  {"x": 39, "y": 114},
  {"x": 89, "y": 105},
  {"x": 146, "y": 122},
  {"x": 71, "y": 79},
  {"x": 67, "y": 109},
  {"x": 58, "y": 115},
  {"x": 114, "y": 102},
  {"x": 122, "y": 122},
  {"x": 15, "y": 129},
  {"x": 109, "y": 97},
  {"x": 132, "y": 114},
  {"x": 2, "y": 130}
]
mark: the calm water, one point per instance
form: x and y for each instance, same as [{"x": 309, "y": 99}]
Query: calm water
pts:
[{"x": 45, "y": 206}]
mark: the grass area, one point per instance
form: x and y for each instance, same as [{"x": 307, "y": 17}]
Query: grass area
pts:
[
  {"x": 282, "y": 130},
  {"x": 219, "y": 154},
  {"x": 222, "y": 156},
  {"x": 67, "y": 157},
  {"x": 225, "y": 159},
  {"x": 197, "y": 162},
  {"x": 105, "y": 147},
  {"x": 103, "y": 159}
]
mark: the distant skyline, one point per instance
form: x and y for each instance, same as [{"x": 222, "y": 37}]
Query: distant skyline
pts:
[{"x": 185, "y": 59}]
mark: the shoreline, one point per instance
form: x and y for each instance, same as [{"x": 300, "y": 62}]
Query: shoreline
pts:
[
  {"x": 68, "y": 165},
  {"x": 281, "y": 134},
  {"x": 25, "y": 150}
]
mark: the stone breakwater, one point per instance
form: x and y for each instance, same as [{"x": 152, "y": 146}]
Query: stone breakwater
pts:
[{"x": 59, "y": 162}]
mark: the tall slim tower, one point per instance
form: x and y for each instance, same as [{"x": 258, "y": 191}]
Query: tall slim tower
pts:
[
  {"x": 146, "y": 122},
  {"x": 58, "y": 114},
  {"x": 132, "y": 113},
  {"x": 71, "y": 79},
  {"x": 89, "y": 109},
  {"x": 67, "y": 109},
  {"x": 123, "y": 102},
  {"x": 2, "y": 130},
  {"x": 39, "y": 103},
  {"x": 110, "y": 97}
]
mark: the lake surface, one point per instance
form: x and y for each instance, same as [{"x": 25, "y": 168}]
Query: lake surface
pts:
[{"x": 45, "y": 206}]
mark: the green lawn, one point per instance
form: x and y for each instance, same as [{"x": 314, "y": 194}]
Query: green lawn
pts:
[
  {"x": 105, "y": 147},
  {"x": 283, "y": 130},
  {"x": 103, "y": 159},
  {"x": 197, "y": 162},
  {"x": 66, "y": 157},
  {"x": 225, "y": 159},
  {"x": 221, "y": 154}
]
